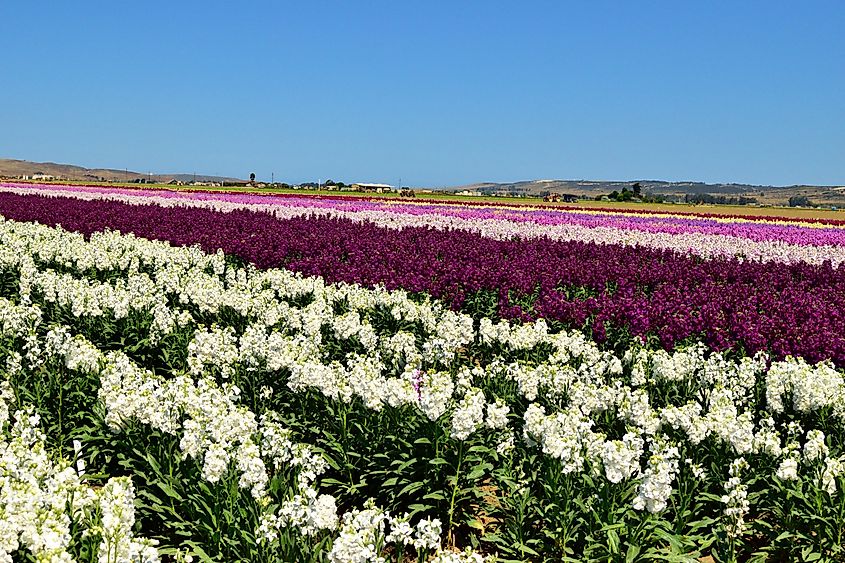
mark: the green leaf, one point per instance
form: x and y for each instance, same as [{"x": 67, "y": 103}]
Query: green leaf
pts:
[
  {"x": 204, "y": 557},
  {"x": 613, "y": 541},
  {"x": 406, "y": 465},
  {"x": 525, "y": 549},
  {"x": 417, "y": 508},
  {"x": 410, "y": 488},
  {"x": 475, "y": 524},
  {"x": 168, "y": 490},
  {"x": 477, "y": 472},
  {"x": 808, "y": 555}
]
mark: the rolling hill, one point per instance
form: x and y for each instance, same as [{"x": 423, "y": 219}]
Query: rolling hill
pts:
[{"x": 12, "y": 168}]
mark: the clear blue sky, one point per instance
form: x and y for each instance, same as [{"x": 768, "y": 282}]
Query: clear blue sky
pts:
[{"x": 437, "y": 93}]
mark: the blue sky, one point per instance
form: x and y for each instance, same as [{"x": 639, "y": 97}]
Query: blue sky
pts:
[{"x": 435, "y": 93}]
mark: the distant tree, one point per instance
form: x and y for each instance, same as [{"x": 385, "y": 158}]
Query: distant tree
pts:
[
  {"x": 711, "y": 199},
  {"x": 800, "y": 201},
  {"x": 252, "y": 177},
  {"x": 637, "y": 189},
  {"x": 614, "y": 195}
]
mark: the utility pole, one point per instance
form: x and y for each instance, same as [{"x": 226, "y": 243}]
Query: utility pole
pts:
[{"x": 272, "y": 178}]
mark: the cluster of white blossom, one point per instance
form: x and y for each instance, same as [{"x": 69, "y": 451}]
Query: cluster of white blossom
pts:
[
  {"x": 364, "y": 534},
  {"x": 213, "y": 427},
  {"x": 735, "y": 499},
  {"x": 815, "y": 447},
  {"x": 468, "y": 415},
  {"x": 425, "y": 536},
  {"x": 216, "y": 347},
  {"x": 40, "y": 501},
  {"x": 811, "y": 387},
  {"x": 308, "y": 511},
  {"x": 621, "y": 458},
  {"x": 34, "y": 492},
  {"x": 565, "y": 435},
  {"x": 656, "y": 485},
  {"x": 117, "y": 511},
  {"x": 834, "y": 468},
  {"x": 467, "y": 556}
]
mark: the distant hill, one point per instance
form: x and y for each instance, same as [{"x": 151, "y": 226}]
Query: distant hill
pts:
[
  {"x": 768, "y": 195},
  {"x": 588, "y": 189},
  {"x": 11, "y": 168}
]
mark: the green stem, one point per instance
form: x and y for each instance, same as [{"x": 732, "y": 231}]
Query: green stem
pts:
[
  {"x": 343, "y": 420},
  {"x": 61, "y": 409},
  {"x": 450, "y": 537}
]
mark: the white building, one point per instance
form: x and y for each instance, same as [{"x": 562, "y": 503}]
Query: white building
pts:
[{"x": 378, "y": 188}]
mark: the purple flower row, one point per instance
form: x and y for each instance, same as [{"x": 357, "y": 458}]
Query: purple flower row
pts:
[{"x": 795, "y": 309}]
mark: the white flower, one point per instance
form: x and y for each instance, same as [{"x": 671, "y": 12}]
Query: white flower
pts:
[
  {"x": 621, "y": 459},
  {"x": 788, "y": 469},
  {"x": 656, "y": 487},
  {"x": 767, "y": 440},
  {"x": 427, "y": 535},
  {"x": 506, "y": 445},
  {"x": 696, "y": 469},
  {"x": 361, "y": 533},
  {"x": 401, "y": 531},
  {"x": 311, "y": 512},
  {"x": 118, "y": 517},
  {"x": 833, "y": 469},
  {"x": 814, "y": 447},
  {"x": 469, "y": 414},
  {"x": 736, "y": 500},
  {"x": 467, "y": 556}
]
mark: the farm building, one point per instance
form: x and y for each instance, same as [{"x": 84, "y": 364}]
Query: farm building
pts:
[{"x": 372, "y": 188}]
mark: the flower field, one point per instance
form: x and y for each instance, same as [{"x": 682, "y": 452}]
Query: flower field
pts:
[{"x": 228, "y": 377}]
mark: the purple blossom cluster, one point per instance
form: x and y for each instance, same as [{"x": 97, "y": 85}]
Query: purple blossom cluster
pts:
[{"x": 788, "y": 309}]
